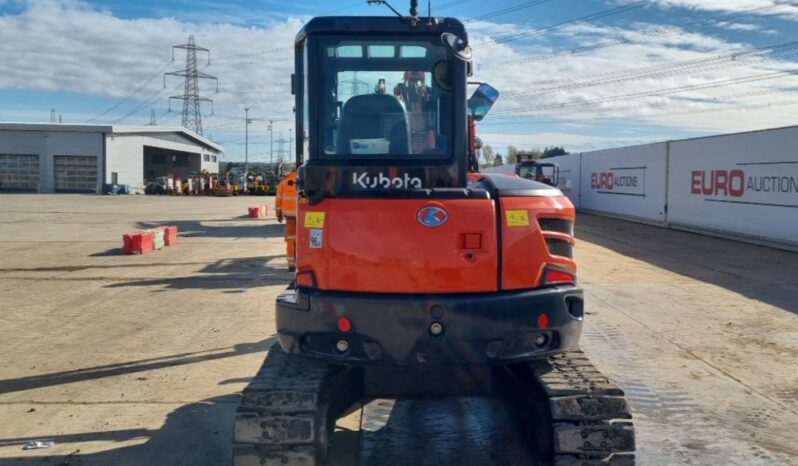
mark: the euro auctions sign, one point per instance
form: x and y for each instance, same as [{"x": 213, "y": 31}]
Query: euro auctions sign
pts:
[
  {"x": 630, "y": 181},
  {"x": 755, "y": 183},
  {"x": 745, "y": 184}
]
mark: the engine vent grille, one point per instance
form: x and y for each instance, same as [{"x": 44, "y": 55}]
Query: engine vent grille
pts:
[
  {"x": 559, "y": 225},
  {"x": 559, "y": 247}
]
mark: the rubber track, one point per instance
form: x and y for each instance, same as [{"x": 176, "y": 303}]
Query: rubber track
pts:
[
  {"x": 280, "y": 419},
  {"x": 588, "y": 413}
]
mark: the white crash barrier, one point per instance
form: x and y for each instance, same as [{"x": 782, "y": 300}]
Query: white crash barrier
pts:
[
  {"x": 739, "y": 184},
  {"x": 743, "y": 186},
  {"x": 629, "y": 181}
]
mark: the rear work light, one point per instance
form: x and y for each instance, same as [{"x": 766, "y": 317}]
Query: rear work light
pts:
[{"x": 558, "y": 276}]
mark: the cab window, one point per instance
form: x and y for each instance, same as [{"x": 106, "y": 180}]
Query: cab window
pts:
[{"x": 385, "y": 98}]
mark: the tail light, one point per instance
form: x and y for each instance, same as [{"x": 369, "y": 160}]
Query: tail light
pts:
[
  {"x": 306, "y": 279},
  {"x": 344, "y": 324},
  {"x": 558, "y": 276}
]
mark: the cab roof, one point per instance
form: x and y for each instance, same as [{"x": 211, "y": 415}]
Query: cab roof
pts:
[{"x": 380, "y": 25}]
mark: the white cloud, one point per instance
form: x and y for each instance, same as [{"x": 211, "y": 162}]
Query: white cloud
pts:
[
  {"x": 586, "y": 87},
  {"x": 68, "y": 45}
]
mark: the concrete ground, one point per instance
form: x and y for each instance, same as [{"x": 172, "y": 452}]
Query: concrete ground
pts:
[{"x": 137, "y": 360}]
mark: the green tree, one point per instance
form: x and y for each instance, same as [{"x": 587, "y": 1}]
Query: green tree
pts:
[
  {"x": 533, "y": 154},
  {"x": 498, "y": 161},
  {"x": 488, "y": 154},
  {"x": 512, "y": 154},
  {"x": 553, "y": 151}
]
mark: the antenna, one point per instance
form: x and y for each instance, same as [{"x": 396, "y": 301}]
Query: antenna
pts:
[{"x": 413, "y": 9}]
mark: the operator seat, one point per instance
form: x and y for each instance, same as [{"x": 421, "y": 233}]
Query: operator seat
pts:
[{"x": 374, "y": 116}]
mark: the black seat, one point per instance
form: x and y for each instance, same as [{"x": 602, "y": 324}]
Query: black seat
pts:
[{"x": 374, "y": 116}]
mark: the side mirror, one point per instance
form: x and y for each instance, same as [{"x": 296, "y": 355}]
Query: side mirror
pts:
[{"x": 482, "y": 101}]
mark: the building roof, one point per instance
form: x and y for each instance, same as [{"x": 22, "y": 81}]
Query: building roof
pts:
[{"x": 111, "y": 129}]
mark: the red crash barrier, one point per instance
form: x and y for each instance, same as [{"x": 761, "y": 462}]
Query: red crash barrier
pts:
[
  {"x": 144, "y": 241},
  {"x": 256, "y": 212},
  {"x": 169, "y": 234},
  {"x": 137, "y": 242}
]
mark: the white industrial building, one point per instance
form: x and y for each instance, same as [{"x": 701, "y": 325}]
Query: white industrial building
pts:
[{"x": 52, "y": 157}]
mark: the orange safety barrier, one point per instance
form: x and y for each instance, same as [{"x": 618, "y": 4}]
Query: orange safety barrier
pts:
[{"x": 137, "y": 242}]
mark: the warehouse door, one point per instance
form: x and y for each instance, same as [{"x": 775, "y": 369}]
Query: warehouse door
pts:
[
  {"x": 76, "y": 173},
  {"x": 19, "y": 172}
]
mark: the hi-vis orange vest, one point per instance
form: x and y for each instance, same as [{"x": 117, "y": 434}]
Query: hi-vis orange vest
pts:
[{"x": 286, "y": 195}]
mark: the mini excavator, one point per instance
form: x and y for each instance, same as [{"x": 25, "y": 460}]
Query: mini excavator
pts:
[{"x": 416, "y": 275}]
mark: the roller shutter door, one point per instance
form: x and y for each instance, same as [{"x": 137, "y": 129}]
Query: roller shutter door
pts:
[
  {"x": 19, "y": 172},
  {"x": 76, "y": 173}
]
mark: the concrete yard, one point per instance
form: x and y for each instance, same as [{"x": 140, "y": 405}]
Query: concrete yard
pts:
[{"x": 137, "y": 360}]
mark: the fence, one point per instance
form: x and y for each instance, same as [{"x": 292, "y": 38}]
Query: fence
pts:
[{"x": 743, "y": 186}]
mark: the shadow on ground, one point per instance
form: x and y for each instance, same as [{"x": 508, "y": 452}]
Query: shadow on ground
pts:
[
  {"x": 224, "y": 228},
  {"x": 230, "y": 274},
  {"x": 196, "y": 434},
  {"x": 757, "y": 272},
  {"x": 130, "y": 367}
]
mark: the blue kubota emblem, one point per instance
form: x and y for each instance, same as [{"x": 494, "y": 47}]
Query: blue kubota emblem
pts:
[{"x": 432, "y": 216}]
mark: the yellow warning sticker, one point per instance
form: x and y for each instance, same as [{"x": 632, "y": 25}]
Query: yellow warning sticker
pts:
[
  {"x": 314, "y": 219},
  {"x": 517, "y": 218}
]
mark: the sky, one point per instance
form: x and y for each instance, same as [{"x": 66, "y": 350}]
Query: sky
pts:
[{"x": 583, "y": 74}]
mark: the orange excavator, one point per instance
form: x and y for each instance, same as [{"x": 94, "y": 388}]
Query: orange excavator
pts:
[{"x": 419, "y": 278}]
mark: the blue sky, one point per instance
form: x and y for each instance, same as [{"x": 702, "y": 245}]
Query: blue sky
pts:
[{"x": 585, "y": 74}]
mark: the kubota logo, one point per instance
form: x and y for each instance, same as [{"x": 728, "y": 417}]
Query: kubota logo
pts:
[
  {"x": 432, "y": 216},
  {"x": 386, "y": 182}
]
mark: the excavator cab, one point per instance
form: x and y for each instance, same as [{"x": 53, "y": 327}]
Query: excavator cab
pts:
[
  {"x": 380, "y": 111},
  {"x": 544, "y": 172}
]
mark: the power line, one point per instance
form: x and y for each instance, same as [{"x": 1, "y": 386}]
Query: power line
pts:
[
  {"x": 507, "y": 10},
  {"x": 603, "y": 112},
  {"x": 607, "y": 99},
  {"x": 635, "y": 38},
  {"x": 129, "y": 96},
  {"x": 659, "y": 71},
  {"x": 147, "y": 101},
  {"x": 554, "y": 27}
]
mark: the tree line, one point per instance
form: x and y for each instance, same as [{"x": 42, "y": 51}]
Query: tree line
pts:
[{"x": 488, "y": 157}]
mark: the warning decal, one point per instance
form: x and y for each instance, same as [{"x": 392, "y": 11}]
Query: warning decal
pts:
[
  {"x": 517, "y": 218},
  {"x": 314, "y": 219}
]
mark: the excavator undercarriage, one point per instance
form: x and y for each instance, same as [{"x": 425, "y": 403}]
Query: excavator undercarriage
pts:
[{"x": 563, "y": 411}]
